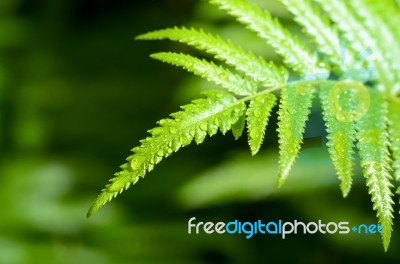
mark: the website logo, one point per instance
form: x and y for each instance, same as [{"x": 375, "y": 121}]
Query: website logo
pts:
[{"x": 281, "y": 228}]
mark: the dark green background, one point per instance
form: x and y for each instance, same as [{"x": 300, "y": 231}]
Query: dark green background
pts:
[{"x": 77, "y": 93}]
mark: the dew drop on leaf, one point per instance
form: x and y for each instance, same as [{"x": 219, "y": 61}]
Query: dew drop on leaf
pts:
[
  {"x": 256, "y": 113},
  {"x": 203, "y": 126},
  {"x": 254, "y": 134}
]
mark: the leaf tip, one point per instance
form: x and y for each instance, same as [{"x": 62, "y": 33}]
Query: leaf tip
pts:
[
  {"x": 254, "y": 152},
  {"x": 93, "y": 208},
  {"x": 140, "y": 37},
  {"x": 345, "y": 190}
]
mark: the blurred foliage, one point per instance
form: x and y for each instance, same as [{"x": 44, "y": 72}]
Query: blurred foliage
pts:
[{"x": 74, "y": 98}]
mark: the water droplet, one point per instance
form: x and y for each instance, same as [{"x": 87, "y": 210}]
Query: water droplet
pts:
[
  {"x": 285, "y": 43},
  {"x": 135, "y": 163},
  {"x": 192, "y": 132},
  {"x": 170, "y": 151},
  {"x": 260, "y": 100},
  {"x": 256, "y": 113},
  {"x": 185, "y": 140},
  {"x": 156, "y": 131},
  {"x": 173, "y": 130},
  {"x": 253, "y": 134},
  {"x": 203, "y": 126},
  {"x": 222, "y": 77},
  {"x": 213, "y": 131},
  {"x": 160, "y": 153}
]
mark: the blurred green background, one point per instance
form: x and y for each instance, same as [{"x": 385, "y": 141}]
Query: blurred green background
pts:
[{"x": 77, "y": 93}]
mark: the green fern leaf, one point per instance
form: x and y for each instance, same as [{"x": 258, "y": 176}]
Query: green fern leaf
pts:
[
  {"x": 394, "y": 132},
  {"x": 388, "y": 11},
  {"x": 390, "y": 15},
  {"x": 295, "y": 54},
  {"x": 296, "y": 101},
  {"x": 318, "y": 26},
  {"x": 257, "y": 119},
  {"x": 351, "y": 113},
  {"x": 360, "y": 38},
  {"x": 352, "y": 27},
  {"x": 375, "y": 161},
  {"x": 219, "y": 110},
  {"x": 378, "y": 29},
  {"x": 246, "y": 62},
  {"x": 341, "y": 130},
  {"x": 208, "y": 70},
  {"x": 238, "y": 127}
]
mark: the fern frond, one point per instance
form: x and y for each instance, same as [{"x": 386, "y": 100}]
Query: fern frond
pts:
[
  {"x": 208, "y": 70},
  {"x": 341, "y": 134},
  {"x": 351, "y": 112},
  {"x": 359, "y": 36},
  {"x": 394, "y": 133},
  {"x": 295, "y": 54},
  {"x": 257, "y": 119},
  {"x": 219, "y": 110},
  {"x": 296, "y": 101},
  {"x": 318, "y": 27},
  {"x": 373, "y": 146},
  {"x": 378, "y": 29},
  {"x": 246, "y": 62},
  {"x": 389, "y": 13},
  {"x": 352, "y": 27}
]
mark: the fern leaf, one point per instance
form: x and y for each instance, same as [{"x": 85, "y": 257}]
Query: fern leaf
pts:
[
  {"x": 295, "y": 55},
  {"x": 359, "y": 37},
  {"x": 296, "y": 101},
  {"x": 219, "y": 110},
  {"x": 378, "y": 29},
  {"x": 238, "y": 127},
  {"x": 246, "y": 62},
  {"x": 318, "y": 26},
  {"x": 208, "y": 70},
  {"x": 394, "y": 132},
  {"x": 341, "y": 132},
  {"x": 389, "y": 13},
  {"x": 257, "y": 119},
  {"x": 375, "y": 161},
  {"x": 348, "y": 23}
]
